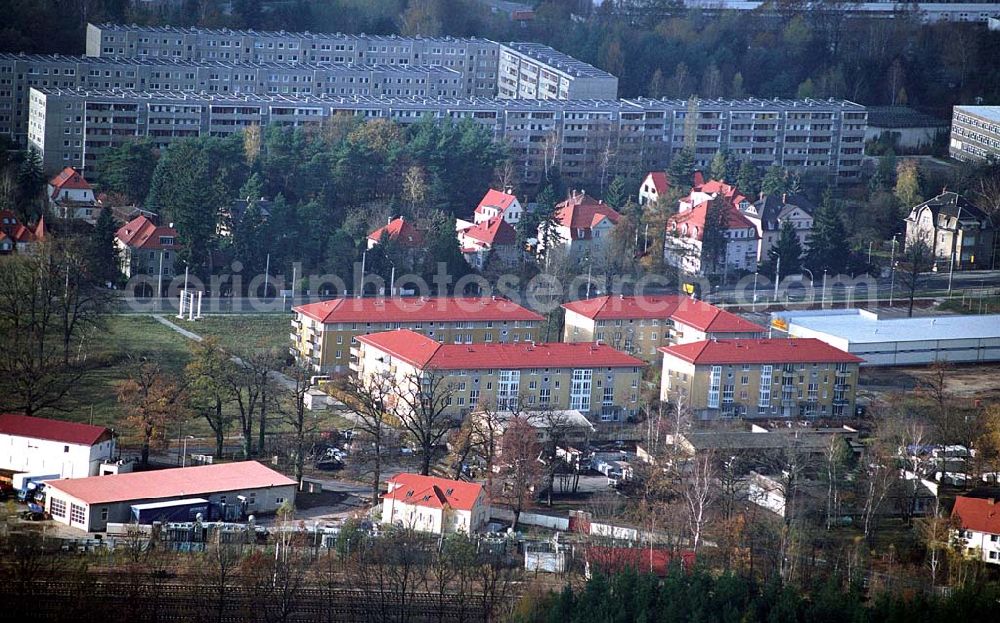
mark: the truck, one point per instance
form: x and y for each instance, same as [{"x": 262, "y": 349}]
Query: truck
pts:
[
  {"x": 27, "y": 484},
  {"x": 186, "y": 509}
]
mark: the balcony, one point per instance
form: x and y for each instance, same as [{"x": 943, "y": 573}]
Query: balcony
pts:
[{"x": 294, "y": 337}]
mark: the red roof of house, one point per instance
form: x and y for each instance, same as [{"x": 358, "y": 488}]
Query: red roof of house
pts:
[
  {"x": 416, "y": 309},
  {"x": 694, "y": 313},
  {"x": 433, "y": 491},
  {"x": 172, "y": 483},
  {"x": 423, "y": 352},
  {"x": 495, "y": 231},
  {"x": 660, "y": 181},
  {"x": 694, "y": 219},
  {"x": 17, "y": 231},
  {"x": 715, "y": 187},
  {"x": 400, "y": 230},
  {"x": 581, "y": 213},
  {"x": 68, "y": 179},
  {"x": 496, "y": 199},
  {"x": 53, "y": 430},
  {"x": 626, "y": 307},
  {"x": 760, "y": 350},
  {"x": 142, "y": 233},
  {"x": 707, "y": 317},
  {"x": 981, "y": 515},
  {"x": 657, "y": 561}
]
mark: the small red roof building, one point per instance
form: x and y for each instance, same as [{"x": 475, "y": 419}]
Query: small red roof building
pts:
[
  {"x": 978, "y": 514},
  {"x": 171, "y": 483},
  {"x": 14, "y": 233},
  {"x": 398, "y": 230},
  {"x": 68, "y": 179},
  {"x": 422, "y": 352},
  {"x": 709, "y": 318},
  {"x": 433, "y": 492},
  {"x": 760, "y": 350},
  {"x": 691, "y": 312},
  {"x": 580, "y": 213},
  {"x": 417, "y": 309},
  {"x": 491, "y": 233},
  {"x": 496, "y": 199},
  {"x": 52, "y": 430},
  {"x": 143, "y": 233}
]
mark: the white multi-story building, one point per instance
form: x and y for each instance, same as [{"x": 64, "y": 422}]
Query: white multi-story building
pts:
[
  {"x": 967, "y": 11},
  {"x": 435, "y": 505},
  {"x": 41, "y": 445},
  {"x": 979, "y": 531},
  {"x": 536, "y": 71}
]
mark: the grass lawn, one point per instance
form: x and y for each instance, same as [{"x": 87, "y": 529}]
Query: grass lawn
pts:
[{"x": 236, "y": 333}]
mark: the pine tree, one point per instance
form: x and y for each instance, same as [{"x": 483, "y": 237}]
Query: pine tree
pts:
[
  {"x": 713, "y": 238},
  {"x": 617, "y": 193},
  {"x": 748, "y": 179},
  {"x": 774, "y": 181},
  {"x": 724, "y": 167},
  {"x": 102, "y": 254},
  {"x": 788, "y": 248},
  {"x": 30, "y": 181},
  {"x": 827, "y": 242},
  {"x": 681, "y": 168}
]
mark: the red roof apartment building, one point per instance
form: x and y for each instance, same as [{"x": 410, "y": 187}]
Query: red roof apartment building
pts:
[
  {"x": 436, "y": 505},
  {"x": 640, "y": 325},
  {"x": 801, "y": 377},
  {"x": 90, "y": 503},
  {"x": 595, "y": 379},
  {"x": 324, "y": 332}
]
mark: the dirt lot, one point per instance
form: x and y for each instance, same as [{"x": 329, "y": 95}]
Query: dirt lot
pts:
[{"x": 969, "y": 381}]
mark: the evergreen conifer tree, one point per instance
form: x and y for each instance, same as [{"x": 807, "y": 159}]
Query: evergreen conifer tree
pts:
[{"x": 828, "y": 242}]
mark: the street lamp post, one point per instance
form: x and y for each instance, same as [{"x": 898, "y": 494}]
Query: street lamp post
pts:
[
  {"x": 951, "y": 271},
  {"x": 754, "y": 305},
  {"x": 823, "y": 304},
  {"x": 892, "y": 271},
  {"x": 185, "y": 451}
]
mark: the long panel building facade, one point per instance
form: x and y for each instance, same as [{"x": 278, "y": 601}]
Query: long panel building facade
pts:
[
  {"x": 20, "y": 72},
  {"x": 72, "y": 127}
]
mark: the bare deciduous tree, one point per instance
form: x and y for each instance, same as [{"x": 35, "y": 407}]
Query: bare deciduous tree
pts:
[
  {"x": 698, "y": 496},
  {"x": 423, "y": 403},
  {"x": 368, "y": 399}
]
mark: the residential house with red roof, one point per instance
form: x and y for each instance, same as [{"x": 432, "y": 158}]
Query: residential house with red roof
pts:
[
  {"x": 435, "y": 505},
  {"x": 400, "y": 231},
  {"x": 583, "y": 227},
  {"x": 501, "y": 203},
  {"x": 72, "y": 197},
  {"x": 640, "y": 325},
  {"x": 324, "y": 332},
  {"x": 17, "y": 237},
  {"x": 684, "y": 242},
  {"x": 800, "y": 377},
  {"x": 43, "y": 445},
  {"x": 653, "y": 186},
  {"x": 493, "y": 239},
  {"x": 147, "y": 248},
  {"x": 592, "y": 378},
  {"x": 979, "y": 527},
  {"x": 247, "y": 487}
]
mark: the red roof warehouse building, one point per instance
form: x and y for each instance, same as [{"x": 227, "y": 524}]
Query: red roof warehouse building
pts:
[
  {"x": 90, "y": 503},
  {"x": 641, "y": 324},
  {"x": 592, "y": 378},
  {"x": 43, "y": 446},
  {"x": 801, "y": 377}
]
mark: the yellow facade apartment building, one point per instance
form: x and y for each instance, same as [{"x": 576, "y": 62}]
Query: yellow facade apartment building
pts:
[
  {"x": 597, "y": 380},
  {"x": 323, "y": 333},
  {"x": 640, "y": 325},
  {"x": 798, "y": 377}
]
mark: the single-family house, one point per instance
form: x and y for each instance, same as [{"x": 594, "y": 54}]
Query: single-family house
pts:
[
  {"x": 684, "y": 242},
  {"x": 16, "y": 237},
  {"x": 955, "y": 230},
  {"x": 654, "y": 186},
  {"x": 582, "y": 227},
  {"x": 499, "y": 203},
  {"x": 400, "y": 231},
  {"x": 72, "y": 197},
  {"x": 979, "y": 527},
  {"x": 771, "y": 212},
  {"x": 146, "y": 248},
  {"x": 494, "y": 238},
  {"x": 435, "y": 505}
]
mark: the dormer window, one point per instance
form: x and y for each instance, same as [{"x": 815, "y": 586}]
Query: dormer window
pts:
[{"x": 166, "y": 240}]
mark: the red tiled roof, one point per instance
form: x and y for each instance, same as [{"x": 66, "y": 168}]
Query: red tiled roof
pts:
[
  {"x": 978, "y": 514},
  {"x": 69, "y": 179},
  {"x": 706, "y": 317},
  {"x": 399, "y": 230},
  {"x": 760, "y": 350},
  {"x": 423, "y": 352},
  {"x": 715, "y": 187},
  {"x": 495, "y": 231},
  {"x": 582, "y": 212},
  {"x": 626, "y": 307},
  {"x": 695, "y": 220},
  {"x": 142, "y": 233},
  {"x": 660, "y": 182},
  {"x": 433, "y": 491},
  {"x": 172, "y": 483},
  {"x": 496, "y": 199},
  {"x": 639, "y": 559},
  {"x": 53, "y": 430},
  {"x": 416, "y": 309}
]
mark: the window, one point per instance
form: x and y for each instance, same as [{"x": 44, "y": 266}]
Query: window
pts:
[
  {"x": 715, "y": 380},
  {"x": 544, "y": 395},
  {"x": 104, "y": 514},
  {"x": 609, "y": 396},
  {"x": 764, "y": 397},
  {"x": 580, "y": 387},
  {"x": 65, "y": 448},
  {"x": 58, "y": 507},
  {"x": 507, "y": 388},
  {"x": 77, "y": 514}
]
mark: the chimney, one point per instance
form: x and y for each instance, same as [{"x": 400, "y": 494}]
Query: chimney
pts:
[{"x": 784, "y": 198}]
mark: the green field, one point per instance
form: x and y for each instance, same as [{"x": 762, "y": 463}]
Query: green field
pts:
[{"x": 236, "y": 333}]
